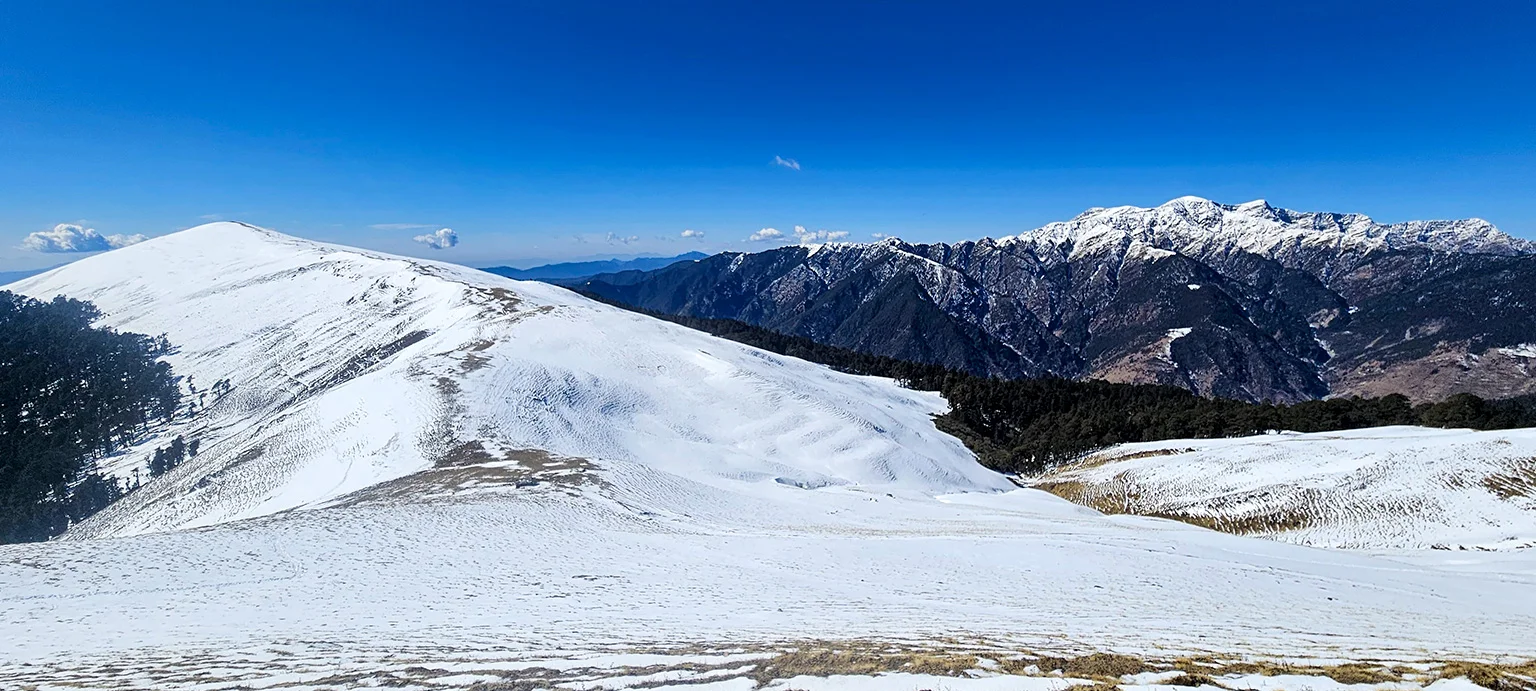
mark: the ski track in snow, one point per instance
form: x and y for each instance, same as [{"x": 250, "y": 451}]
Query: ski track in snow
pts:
[{"x": 692, "y": 491}]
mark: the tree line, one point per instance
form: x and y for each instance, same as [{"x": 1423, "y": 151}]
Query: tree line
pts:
[
  {"x": 1028, "y": 425},
  {"x": 70, "y": 396}
]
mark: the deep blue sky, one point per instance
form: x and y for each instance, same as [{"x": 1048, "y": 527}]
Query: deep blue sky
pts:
[{"x": 536, "y": 130}]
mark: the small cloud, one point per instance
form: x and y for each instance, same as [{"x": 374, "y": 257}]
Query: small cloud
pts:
[
  {"x": 766, "y": 234},
  {"x": 211, "y": 217},
  {"x": 68, "y": 237},
  {"x": 443, "y": 238},
  {"x": 879, "y": 236},
  {"x": 693, "y": 233},
  {"x": 789, "y": 163},
  {"x": 807, "y": 237},
  {"x": 402, "y": 226},
  {"x": 622, "y": 239}
]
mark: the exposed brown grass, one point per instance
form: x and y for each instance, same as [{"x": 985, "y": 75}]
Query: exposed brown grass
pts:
[
  {"x": 1116, "y": 497},
  {"x": 1098, "y": 666},
  {"x": 1499, "y": 677},
  {"x": 861, "y": 661},
  {"x": 1520, "y": 482},
  {"x": 1188, "y": 679}
]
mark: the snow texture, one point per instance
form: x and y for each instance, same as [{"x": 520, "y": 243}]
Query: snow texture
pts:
[{"x": 1379, "y": 488}]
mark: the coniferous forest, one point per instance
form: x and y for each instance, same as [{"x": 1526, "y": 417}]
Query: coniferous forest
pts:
[
  {"x": 70, "y": 395},
  {"x": 1027, "y": 425}
]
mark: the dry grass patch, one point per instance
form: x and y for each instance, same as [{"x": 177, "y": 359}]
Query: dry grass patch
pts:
[
  {"x": 1115, "y": 496},
  {"x": 1192, "y": 680},
  {"x": 1098, "y": 666},
  {"x": 1519, "y": 482},
  {"x": 861, "y": 661},
  {"x": 1499, "y": 677}
]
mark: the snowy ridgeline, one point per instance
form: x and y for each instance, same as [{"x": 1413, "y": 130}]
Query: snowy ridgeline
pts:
[
  {"x": 1197, "y": 226},
  {"x": 505, "y": 471},
  {"x": 349, "y": 368}
]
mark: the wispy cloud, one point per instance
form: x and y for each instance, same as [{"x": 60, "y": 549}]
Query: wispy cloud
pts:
[
  {"x": 879, "y": 236},
  {"x": 766, "y": 234},
  {"x": 614, "y": 238},
  {"x": 690, "y": 233},
  {"x": 211, "y": 217},
  {"x": 68, "y": 237},
  {"x": 442, "y": 238},
  {"x": 402, "y": 226},
  {"x": 789, "y": 163}
]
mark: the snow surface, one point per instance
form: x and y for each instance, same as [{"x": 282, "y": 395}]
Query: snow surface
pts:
[
  {"x": 1380, "y": 488},
  {"x": 637, "y": 486}
]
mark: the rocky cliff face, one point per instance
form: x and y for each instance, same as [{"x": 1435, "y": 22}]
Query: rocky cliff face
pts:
[{"x": 1245, "y": 301}]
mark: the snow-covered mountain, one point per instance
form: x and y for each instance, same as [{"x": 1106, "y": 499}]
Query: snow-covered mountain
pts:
[
  {"x": 350, "y": 368},
  {"x": 1198, "y": 227},
  {"x": 425, "y": 476},
  {"x": 1246, "y": 301}
]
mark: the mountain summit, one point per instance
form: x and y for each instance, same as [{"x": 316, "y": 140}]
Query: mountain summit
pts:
[
  {"x": 353, "y": 375},
  {"x": 1246, "y": 301}
]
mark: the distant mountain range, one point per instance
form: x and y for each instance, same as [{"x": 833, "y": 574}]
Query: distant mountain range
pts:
[
  {"x": 582, "y": 269},
  {"x": 1242, "y": 301}
]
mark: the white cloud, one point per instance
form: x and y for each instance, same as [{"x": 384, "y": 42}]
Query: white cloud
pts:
[
  {"x": 879, "y": 236},
  {"x": 766, "y": 234},
  {"x": 622, "y": 239},
  {"x": 807, "y": 237},
  {"x": 401, "y": 226},
  {"x": 443, "y": 238},
  {"x": 693, "y": 233},
  {"x": 68, "y": 237},
  {"x": 789, "y": 163}
]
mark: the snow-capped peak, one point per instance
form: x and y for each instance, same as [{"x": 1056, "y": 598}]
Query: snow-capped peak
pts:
[{"x": 1199, "y": 226}]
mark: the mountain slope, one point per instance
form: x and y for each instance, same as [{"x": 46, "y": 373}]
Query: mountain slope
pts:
[
  {"x": 350, "y": 368},
  {"x": 1245, "y": 301}
]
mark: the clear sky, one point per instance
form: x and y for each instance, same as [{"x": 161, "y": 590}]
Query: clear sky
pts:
[{"x": 568, "y": 129}]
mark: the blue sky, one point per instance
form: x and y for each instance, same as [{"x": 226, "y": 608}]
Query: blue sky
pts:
[{"x": 559, "y": 130}]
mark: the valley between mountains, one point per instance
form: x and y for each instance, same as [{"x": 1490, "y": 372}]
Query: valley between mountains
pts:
[{"x": 426, "y": 476}]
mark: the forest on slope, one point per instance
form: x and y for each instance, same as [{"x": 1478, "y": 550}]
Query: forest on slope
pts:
[
  {"x": 70, "y": 395},
  {"x": 1028, "y": 425}
]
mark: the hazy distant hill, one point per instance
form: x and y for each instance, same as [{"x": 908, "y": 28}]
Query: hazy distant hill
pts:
[
  {"x": 8, "y": 277},
  {"x": 580, "y": 269}
]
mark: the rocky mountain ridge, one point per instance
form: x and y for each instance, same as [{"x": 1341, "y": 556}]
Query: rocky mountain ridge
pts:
[{"x": 1246, "y": 301}]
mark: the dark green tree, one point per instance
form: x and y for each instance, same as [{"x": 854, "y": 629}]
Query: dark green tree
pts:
[{"x": 70, "y": 394}]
